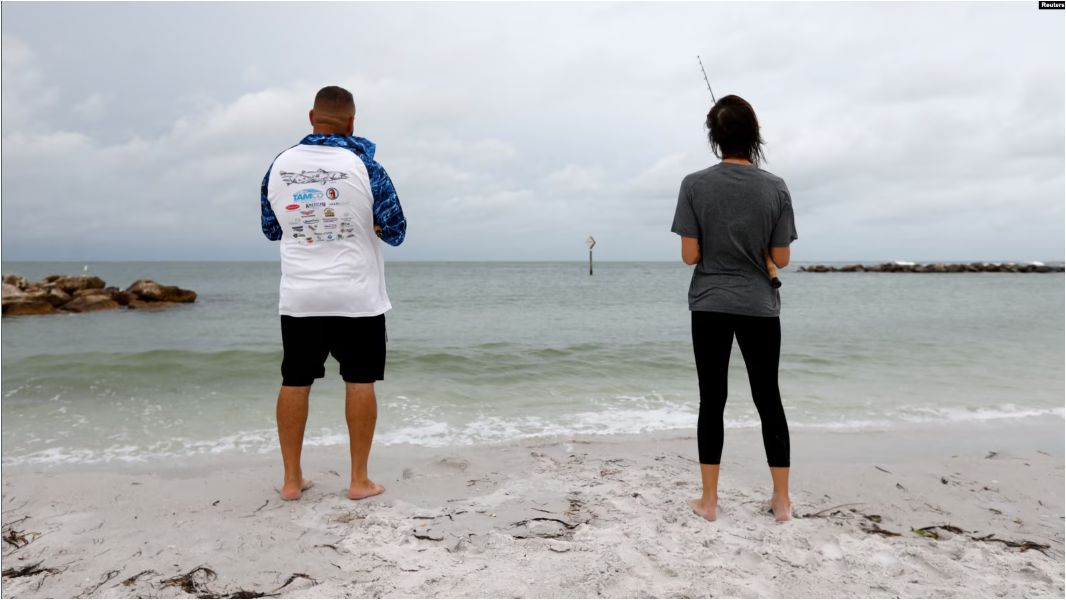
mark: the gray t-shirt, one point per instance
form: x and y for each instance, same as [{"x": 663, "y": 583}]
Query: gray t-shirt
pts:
[{"x": 737, "y": 212}]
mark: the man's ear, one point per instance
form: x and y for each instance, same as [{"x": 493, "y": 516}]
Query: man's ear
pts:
[
  {"x": 351, "y": 125},
  {"x": 311, "y": 116}
]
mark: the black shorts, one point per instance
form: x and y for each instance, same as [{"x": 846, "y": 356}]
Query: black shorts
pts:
[{"x": 358, "y": 344}]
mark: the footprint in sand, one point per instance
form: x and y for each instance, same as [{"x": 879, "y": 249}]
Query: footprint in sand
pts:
[
  {"x": 832, "y": 551},
  {"x": 454, "y": 462}
]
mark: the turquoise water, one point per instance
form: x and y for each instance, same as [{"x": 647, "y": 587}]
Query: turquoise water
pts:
[{"x": 489, "y": 352}]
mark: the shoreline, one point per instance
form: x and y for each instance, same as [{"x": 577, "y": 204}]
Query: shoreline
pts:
[
  {"x": 907, "y": 441},
  {"x": 462, "y": 522}
]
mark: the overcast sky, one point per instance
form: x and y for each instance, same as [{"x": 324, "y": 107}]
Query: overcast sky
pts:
[{"x": 514, "y": 131}]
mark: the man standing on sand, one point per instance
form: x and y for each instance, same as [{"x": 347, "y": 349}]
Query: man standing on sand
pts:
[{"x": 325, "y": 199}]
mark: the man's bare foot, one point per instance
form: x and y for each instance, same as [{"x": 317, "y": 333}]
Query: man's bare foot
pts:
[
  {"x": 707, "y": 510},
  {"x": 364, "y": 489},
  {"x": 291, "y": 493},
  {"x": 782, "y": 508}
]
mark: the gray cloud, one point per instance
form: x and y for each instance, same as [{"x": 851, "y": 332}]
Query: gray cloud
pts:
[{"x": 920, "y": 131}]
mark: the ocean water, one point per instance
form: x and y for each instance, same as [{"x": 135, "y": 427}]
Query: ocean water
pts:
[{"x": 490, "y": 352}]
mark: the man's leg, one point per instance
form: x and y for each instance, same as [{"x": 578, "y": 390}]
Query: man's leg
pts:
[
  {"x": 292, "y": 418},
  {"x": 361, "y": 412},
  {"x": 301, "y": 365}
]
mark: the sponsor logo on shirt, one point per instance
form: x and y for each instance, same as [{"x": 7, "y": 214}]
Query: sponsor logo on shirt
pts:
[
  {"x": 332, "y": 193},
  {"x": 328, "y": 212},
  {"x": 304, "y": 177},
  {"x": 307, "y": 194},
  {"x": 310, "y": 221},
  {"x": 329, "y": 237},
  {"x": 295, "y": 221},
  {"x": 292, "y": 207},
  {"x": 307, "y": 213},
  {"x": 339, "y": 203},
  {"x": 333, "y": 226},
  {"x": 333, "y": 220},
  {"x": 298, "y": 228}
]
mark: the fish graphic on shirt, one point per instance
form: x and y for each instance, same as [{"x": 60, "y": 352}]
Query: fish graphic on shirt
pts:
[{"x": 319, "y": 176}]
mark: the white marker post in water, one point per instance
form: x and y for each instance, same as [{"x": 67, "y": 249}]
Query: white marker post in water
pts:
[{"x": 590, "y": 242}]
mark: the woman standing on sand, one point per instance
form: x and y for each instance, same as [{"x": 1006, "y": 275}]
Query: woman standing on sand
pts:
[{"x": 729, "y": 217}]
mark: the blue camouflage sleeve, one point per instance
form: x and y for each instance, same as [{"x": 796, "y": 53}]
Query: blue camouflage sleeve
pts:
[
  {"x": 388, "y": 214},
  {"x": 271, "y": 227}
]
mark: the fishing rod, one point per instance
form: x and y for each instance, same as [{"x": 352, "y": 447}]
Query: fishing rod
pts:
[
  {"x": 771, "y": 268},
  {"x": 705, "y": 80}
]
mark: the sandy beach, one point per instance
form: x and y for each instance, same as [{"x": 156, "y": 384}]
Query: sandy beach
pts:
[{"x": 575, "y": 517}]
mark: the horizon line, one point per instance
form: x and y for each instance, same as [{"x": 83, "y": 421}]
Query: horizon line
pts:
[{"x": 670, "y": 261}]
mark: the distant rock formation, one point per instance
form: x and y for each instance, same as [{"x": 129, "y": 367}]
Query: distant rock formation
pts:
[
  {"x": 18, "y": 302},
  {"x": 15, "y": 280},
  {"x": 908, "y": 267},
  {"x": 90, "y": 303},
  {"x": 76, "y": 283},
  {"x": 150, "y": 291},
  {"x": 84, "y": 293}
]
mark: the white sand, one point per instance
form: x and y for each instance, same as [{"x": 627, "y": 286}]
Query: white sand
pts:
[{"x": 628, "y": 532}]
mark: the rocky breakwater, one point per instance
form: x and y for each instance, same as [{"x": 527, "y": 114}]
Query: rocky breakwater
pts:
[
  {"x": 908, "y": 267},
  {"x": 85, "y": 293}
]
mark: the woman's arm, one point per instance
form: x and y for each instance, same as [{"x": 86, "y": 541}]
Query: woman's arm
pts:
[
  {"x": 690, "y": 250},
  {"x": 780, "y": 256}
]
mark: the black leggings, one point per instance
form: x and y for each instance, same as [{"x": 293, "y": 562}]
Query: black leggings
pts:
[{"x": 760, "y": 343}]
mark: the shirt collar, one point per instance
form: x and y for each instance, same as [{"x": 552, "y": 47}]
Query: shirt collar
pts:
[{"x": 354, "y": 143}]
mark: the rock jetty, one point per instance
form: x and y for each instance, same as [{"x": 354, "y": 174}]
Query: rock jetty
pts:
[
  {"x": 85, "y": 293},
  {"x": 909, "y": 267}
]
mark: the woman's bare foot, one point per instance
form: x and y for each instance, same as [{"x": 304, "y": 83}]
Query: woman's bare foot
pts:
[
  {"x": 782, "y": 507},
  {"x": 291, "y": 493},
  {"x": 708, "y": 510},
  {"x": 364, "y": 489}
]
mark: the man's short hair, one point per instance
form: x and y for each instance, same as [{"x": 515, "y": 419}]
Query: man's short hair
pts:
[{"x": 335, "y": 100}]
